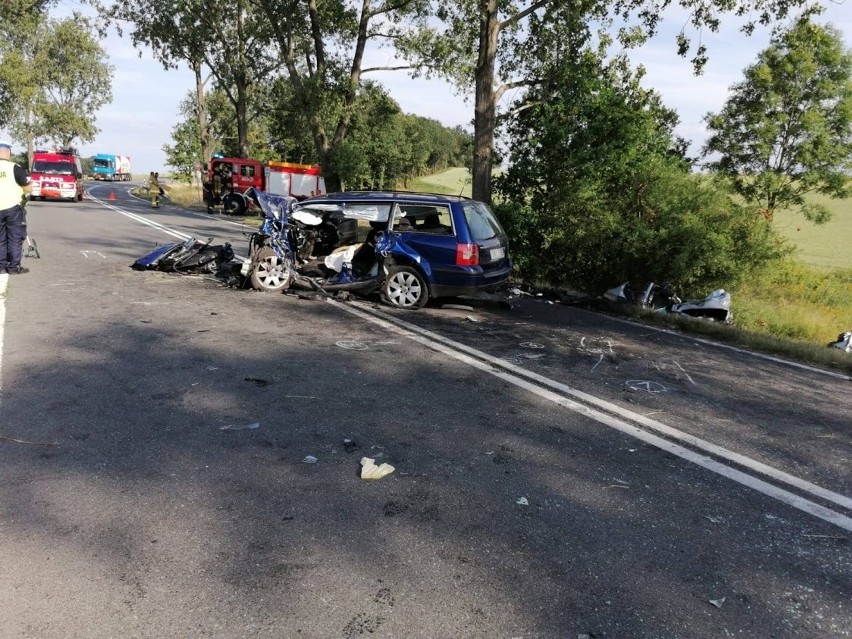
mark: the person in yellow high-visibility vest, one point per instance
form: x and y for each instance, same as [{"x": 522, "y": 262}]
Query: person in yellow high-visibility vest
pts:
[{"x": 14, "y": 184}]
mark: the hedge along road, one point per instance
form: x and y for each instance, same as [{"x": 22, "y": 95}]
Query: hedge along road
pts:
[{"x": 507, "y": 516}]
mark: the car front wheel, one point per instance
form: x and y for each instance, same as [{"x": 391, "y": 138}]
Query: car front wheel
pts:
[
  {"x": 270, "y": 272},
  {"x": 404, "y": 287}
]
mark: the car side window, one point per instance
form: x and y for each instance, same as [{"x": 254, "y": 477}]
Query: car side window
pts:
[{"x": 422, "y": 218}]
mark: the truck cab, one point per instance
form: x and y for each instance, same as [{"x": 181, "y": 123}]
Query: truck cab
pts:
[
  {"x": 56, "y": 175},
  {"x": 106, "y": 166}
]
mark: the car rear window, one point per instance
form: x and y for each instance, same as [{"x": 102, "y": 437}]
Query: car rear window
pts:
[{"x": 481, "y": 221}]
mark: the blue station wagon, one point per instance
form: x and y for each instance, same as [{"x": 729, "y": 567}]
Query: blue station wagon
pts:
[{"x": 416, "y": 246}]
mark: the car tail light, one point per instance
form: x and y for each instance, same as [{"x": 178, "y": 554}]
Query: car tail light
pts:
[{"x": 467, "y": 255}]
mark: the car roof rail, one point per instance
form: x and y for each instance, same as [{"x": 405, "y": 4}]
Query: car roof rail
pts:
[{"x": 398, "y": 195}]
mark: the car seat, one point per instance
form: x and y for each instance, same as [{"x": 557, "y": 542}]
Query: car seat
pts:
[
  {"x": 403, "y": 224},
  {"x": 431, "y": 222}
]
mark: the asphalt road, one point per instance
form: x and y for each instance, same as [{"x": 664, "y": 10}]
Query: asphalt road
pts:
[{"x": 559, "y": 474}]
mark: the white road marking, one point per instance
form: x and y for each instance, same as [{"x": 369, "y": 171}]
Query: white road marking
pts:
[
  {"x": 162, "y": 227},
  {"x": 515, "y": 375},
  {"x": 4, "y": 282}
]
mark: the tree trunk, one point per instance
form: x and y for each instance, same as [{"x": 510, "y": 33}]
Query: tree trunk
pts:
[
  {"x": 485, "y": 108},
  {"x": 331, "y": 177},
  {"x": 241, "y": 86},
  {"x": 203, "y": 128},
  {"x": 242, "y": 117}
]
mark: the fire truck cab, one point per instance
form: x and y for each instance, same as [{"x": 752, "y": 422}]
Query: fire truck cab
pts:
[
  {"x": 56, "y": 175},
  {"x": 229, "y": 178}
]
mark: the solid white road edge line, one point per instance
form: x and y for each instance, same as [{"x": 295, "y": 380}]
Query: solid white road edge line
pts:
[
  {"x": 4, "y": 284},
  {"x": 695, "y": 442},
  {"x": 457, "y": 351},
  {"x": 165, "y": 229}
]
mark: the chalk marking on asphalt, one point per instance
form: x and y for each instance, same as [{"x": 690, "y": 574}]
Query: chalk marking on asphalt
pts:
[
  {"x": 707, "y": 342},
  {"x": 685, "y": 373},
  {"x": 596, "y": 365},
  {"x": 515, "y": 375},
  {"x": 645, "y": 385}
]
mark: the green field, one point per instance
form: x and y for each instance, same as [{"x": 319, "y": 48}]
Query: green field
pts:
[
  {"x": 454, "y": 181},
  {"x": 824, "y": 246}
]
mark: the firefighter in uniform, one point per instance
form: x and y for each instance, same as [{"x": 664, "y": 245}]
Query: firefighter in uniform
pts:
[
  {"x": 154, "y": 190},
  {"x": 14, "y": 185}
]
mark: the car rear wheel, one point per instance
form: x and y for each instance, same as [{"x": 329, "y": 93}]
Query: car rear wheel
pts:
[
  {"x": 404, "y": 287},
  {"x": 270, "y": 272}
]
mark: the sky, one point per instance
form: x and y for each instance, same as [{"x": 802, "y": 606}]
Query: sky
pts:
[{"x": 146, "y": 98}]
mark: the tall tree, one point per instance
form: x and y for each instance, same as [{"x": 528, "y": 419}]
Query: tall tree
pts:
[
  {"x": 322, "y": 46},
  {"x": 597, "y": 190},
  {"x": 786, "y": 129},
  {"x": 229, "y": 38},
  {"x": 483, "y": 46},
  {"x": 60, "y": 78}
]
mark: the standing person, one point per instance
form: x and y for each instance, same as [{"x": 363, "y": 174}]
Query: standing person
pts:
[
  {"x": 14, "y": 184},
  {"x": 154, "y": 190}
]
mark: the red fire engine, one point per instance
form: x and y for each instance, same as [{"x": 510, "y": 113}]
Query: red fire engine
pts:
[
  {"x": 57, "y": 175},
  {"x": 229, "y": 178}
]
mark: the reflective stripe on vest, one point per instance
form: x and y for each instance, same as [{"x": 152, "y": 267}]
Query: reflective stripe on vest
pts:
[{"x": 10, "y": 191}]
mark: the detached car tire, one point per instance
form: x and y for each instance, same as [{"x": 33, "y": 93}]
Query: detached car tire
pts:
[
  {"x": 270, "y": 273},
  {"x": 404, "y": 287}
]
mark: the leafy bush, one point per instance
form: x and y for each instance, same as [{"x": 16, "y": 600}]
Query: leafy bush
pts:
[
  {"x": 598, "y": 192},
  {"x": 682, "y": 229}
]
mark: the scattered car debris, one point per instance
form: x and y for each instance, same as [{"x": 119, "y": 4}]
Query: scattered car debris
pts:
[
  {"x": 457, "y": 307},
  {"x": 310, "y": 459},
  {"x": 523, "y": 501},
  {"x": 350, "y": 446},
  {"x": 369, "y": 470},
  {"x": 662, "y": 298},
  {"x": 252, "y": 426},
  {"x": 718, "y": 602},
  {"x": 189, "y": 256},
  {"x": 844, "y": 342}
]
